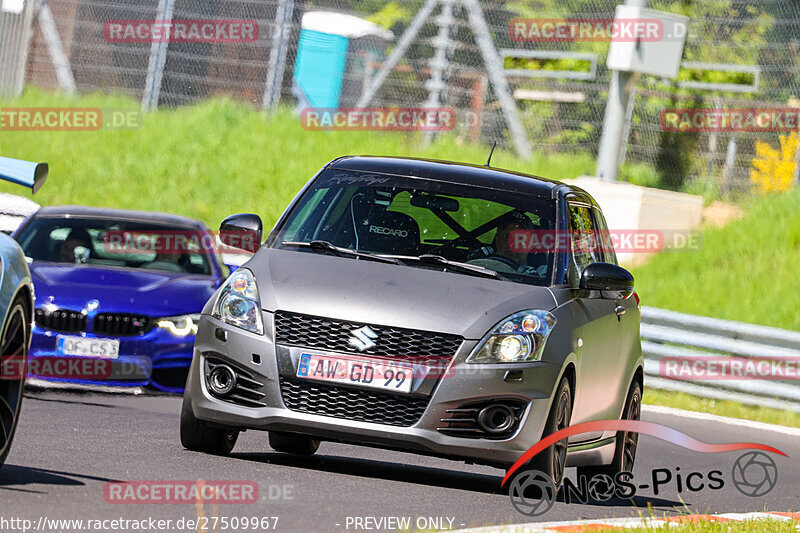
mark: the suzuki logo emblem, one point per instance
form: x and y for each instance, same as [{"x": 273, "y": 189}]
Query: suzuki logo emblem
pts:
[{"x": 362, "y": 338}]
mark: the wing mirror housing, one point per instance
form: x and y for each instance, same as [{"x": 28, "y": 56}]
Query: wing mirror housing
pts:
[
  {"x": 242, "y": 231},
  {"x": 611, "y": 282}
]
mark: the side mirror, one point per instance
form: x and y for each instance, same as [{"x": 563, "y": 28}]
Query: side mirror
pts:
[
  {"x": 613, "y": 282},
  {"x": 242, "y": 231}
]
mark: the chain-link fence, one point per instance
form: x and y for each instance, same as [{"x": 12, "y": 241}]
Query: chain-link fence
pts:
[
  {"x": 15, "y": 27},
  {"x": 115, "y": 46},
  {"x": 742, "y": 54}
]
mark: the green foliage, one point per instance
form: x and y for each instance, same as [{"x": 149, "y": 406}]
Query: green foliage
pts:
[
  {"x": 744, "y": 271},
  {"x": 390, "y": 15},
  {"x": 219, "y": 157}
]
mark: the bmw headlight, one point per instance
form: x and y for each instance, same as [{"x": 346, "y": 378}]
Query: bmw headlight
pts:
[
  {"x": 180, "y": 326},
  {"x": 238, "y": 303},
  {"x": 519, "y": 338}
]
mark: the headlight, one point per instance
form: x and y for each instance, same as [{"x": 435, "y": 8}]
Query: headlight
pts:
[
  {"x": 238, "y": 303},
  {"x": 180, "y": 326},
  {"x": 517, "y": 339}
]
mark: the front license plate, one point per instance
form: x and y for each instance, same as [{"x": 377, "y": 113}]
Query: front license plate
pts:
[
  {"x": 83, "y": 347},
  {"x": 373, "y": 374}
]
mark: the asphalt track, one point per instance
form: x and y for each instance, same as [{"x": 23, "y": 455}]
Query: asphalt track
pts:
[{"x": 70, "y": 445}]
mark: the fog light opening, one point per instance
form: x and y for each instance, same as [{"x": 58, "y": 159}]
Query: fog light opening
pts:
[
  {"x": 496, "y": 418},
  {"x": 222, "y": 380}
]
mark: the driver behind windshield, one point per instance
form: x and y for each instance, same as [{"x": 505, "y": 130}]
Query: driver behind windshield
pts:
[
  {"x": 77, "y": 238},
  {"x": 502, "y": 255}
]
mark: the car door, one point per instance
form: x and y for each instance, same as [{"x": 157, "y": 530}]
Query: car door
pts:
[{"x": 598, "y": 338}]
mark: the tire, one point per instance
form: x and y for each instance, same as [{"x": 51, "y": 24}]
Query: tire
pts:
[
  {"x": 198, "y": 436},
  {"x": 293, "y": 443},
  {"x": 14, "y": 342},
  {"x": 553, "y": 460},
  {"x": 627, "y": 443}
]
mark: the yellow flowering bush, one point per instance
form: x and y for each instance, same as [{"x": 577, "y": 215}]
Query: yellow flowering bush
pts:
[{"x": 773, "y": 169}]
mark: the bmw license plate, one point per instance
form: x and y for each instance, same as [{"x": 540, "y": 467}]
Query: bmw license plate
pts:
[
  {"x": 83, "y": 347},
  {"x": 373, "y": 374}
]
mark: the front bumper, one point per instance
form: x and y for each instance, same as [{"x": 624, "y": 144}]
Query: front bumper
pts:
[
  {"x": 461, "y": 384},
  {"x": 157, "y": 358}
]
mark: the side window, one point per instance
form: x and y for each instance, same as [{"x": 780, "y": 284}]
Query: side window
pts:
[
  {"x": 607, "y": 246},
  {"x": 583, "y": 242}
]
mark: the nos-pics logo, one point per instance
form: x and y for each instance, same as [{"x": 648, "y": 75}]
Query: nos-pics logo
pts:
[{"x": 533, "y": 493}]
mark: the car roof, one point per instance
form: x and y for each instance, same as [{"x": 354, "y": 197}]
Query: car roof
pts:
[
  {"x": 460, "y": 173},
  {"x": 119, "y": 214}
]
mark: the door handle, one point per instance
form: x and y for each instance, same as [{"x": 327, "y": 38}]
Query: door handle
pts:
[{"x": 619, "y": 310}]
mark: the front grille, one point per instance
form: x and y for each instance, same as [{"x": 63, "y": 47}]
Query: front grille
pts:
[
  {"x": 121, "y": 324},
  {"x": 61, "y": 320},
  {"x": 352, "y": 404},
  {"x": 334, "y": 335}
]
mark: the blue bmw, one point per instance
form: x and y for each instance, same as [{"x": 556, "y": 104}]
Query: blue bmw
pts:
[{"x": 118, "y": 293}]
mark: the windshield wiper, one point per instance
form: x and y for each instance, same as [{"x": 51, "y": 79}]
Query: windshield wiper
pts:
[
  {"x": 465, "y": 268},
  {"x": 325, "y": 246}
]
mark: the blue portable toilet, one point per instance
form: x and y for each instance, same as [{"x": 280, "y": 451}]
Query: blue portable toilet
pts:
[{"x": 335, "y": 57}]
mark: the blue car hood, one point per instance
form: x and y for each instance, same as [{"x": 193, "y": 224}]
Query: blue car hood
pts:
[{"x": 119, "y": 290}]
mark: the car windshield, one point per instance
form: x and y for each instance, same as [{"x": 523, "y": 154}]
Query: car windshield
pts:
[
  {"x": 126, "y": 244},
  {"x": 416, "y": 219}
]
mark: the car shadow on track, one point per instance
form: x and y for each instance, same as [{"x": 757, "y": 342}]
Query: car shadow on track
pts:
[
  {"x": 368, "y": 468},
  {"x": 640, "y": 502},
  {"x": 14, "y": 477}
]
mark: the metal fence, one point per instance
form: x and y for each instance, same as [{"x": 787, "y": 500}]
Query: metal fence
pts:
[
  {"x": 681, "y": 337},
  {"x": 161, "y": 72},
  {"x": 15, "y": 29},
  {"x": 557, "y": 89}
]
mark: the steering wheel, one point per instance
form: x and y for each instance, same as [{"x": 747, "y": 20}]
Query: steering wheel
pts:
[
  {"x": 495, "y": 262},
  {"x": 501, "y": 259}
]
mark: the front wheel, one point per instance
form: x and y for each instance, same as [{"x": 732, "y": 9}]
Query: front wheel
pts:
[
  {"x": 198, "y": 436},
  {"x": 553, "y": 460},
  {"x": 627, "y": 442},
  {"x": 13, "y": 354}
]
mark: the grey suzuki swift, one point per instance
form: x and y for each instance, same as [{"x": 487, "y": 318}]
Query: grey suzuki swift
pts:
[{"x": 432, "y": 307}]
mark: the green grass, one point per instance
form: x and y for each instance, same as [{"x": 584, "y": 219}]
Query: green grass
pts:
[
  {"x": 689, "y": 402},
  {"x": 218, "y": 158},
  {"x": 746, "y": 271}
]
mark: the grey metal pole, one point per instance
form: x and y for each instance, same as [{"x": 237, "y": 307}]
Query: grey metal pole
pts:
[
  {"x": 277, "y": 56},
  {"x": 158, "y": 58},
  {"x": 394, "y": 58},
  {"x": 60, "y": 62},
  {"x": 494, "y": 67},
  {"x": 614, "y": 121},
  {"x": 439, "y": 64}
]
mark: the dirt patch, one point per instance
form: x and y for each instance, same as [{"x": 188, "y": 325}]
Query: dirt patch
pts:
[{"x": 719, "y": 214}]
